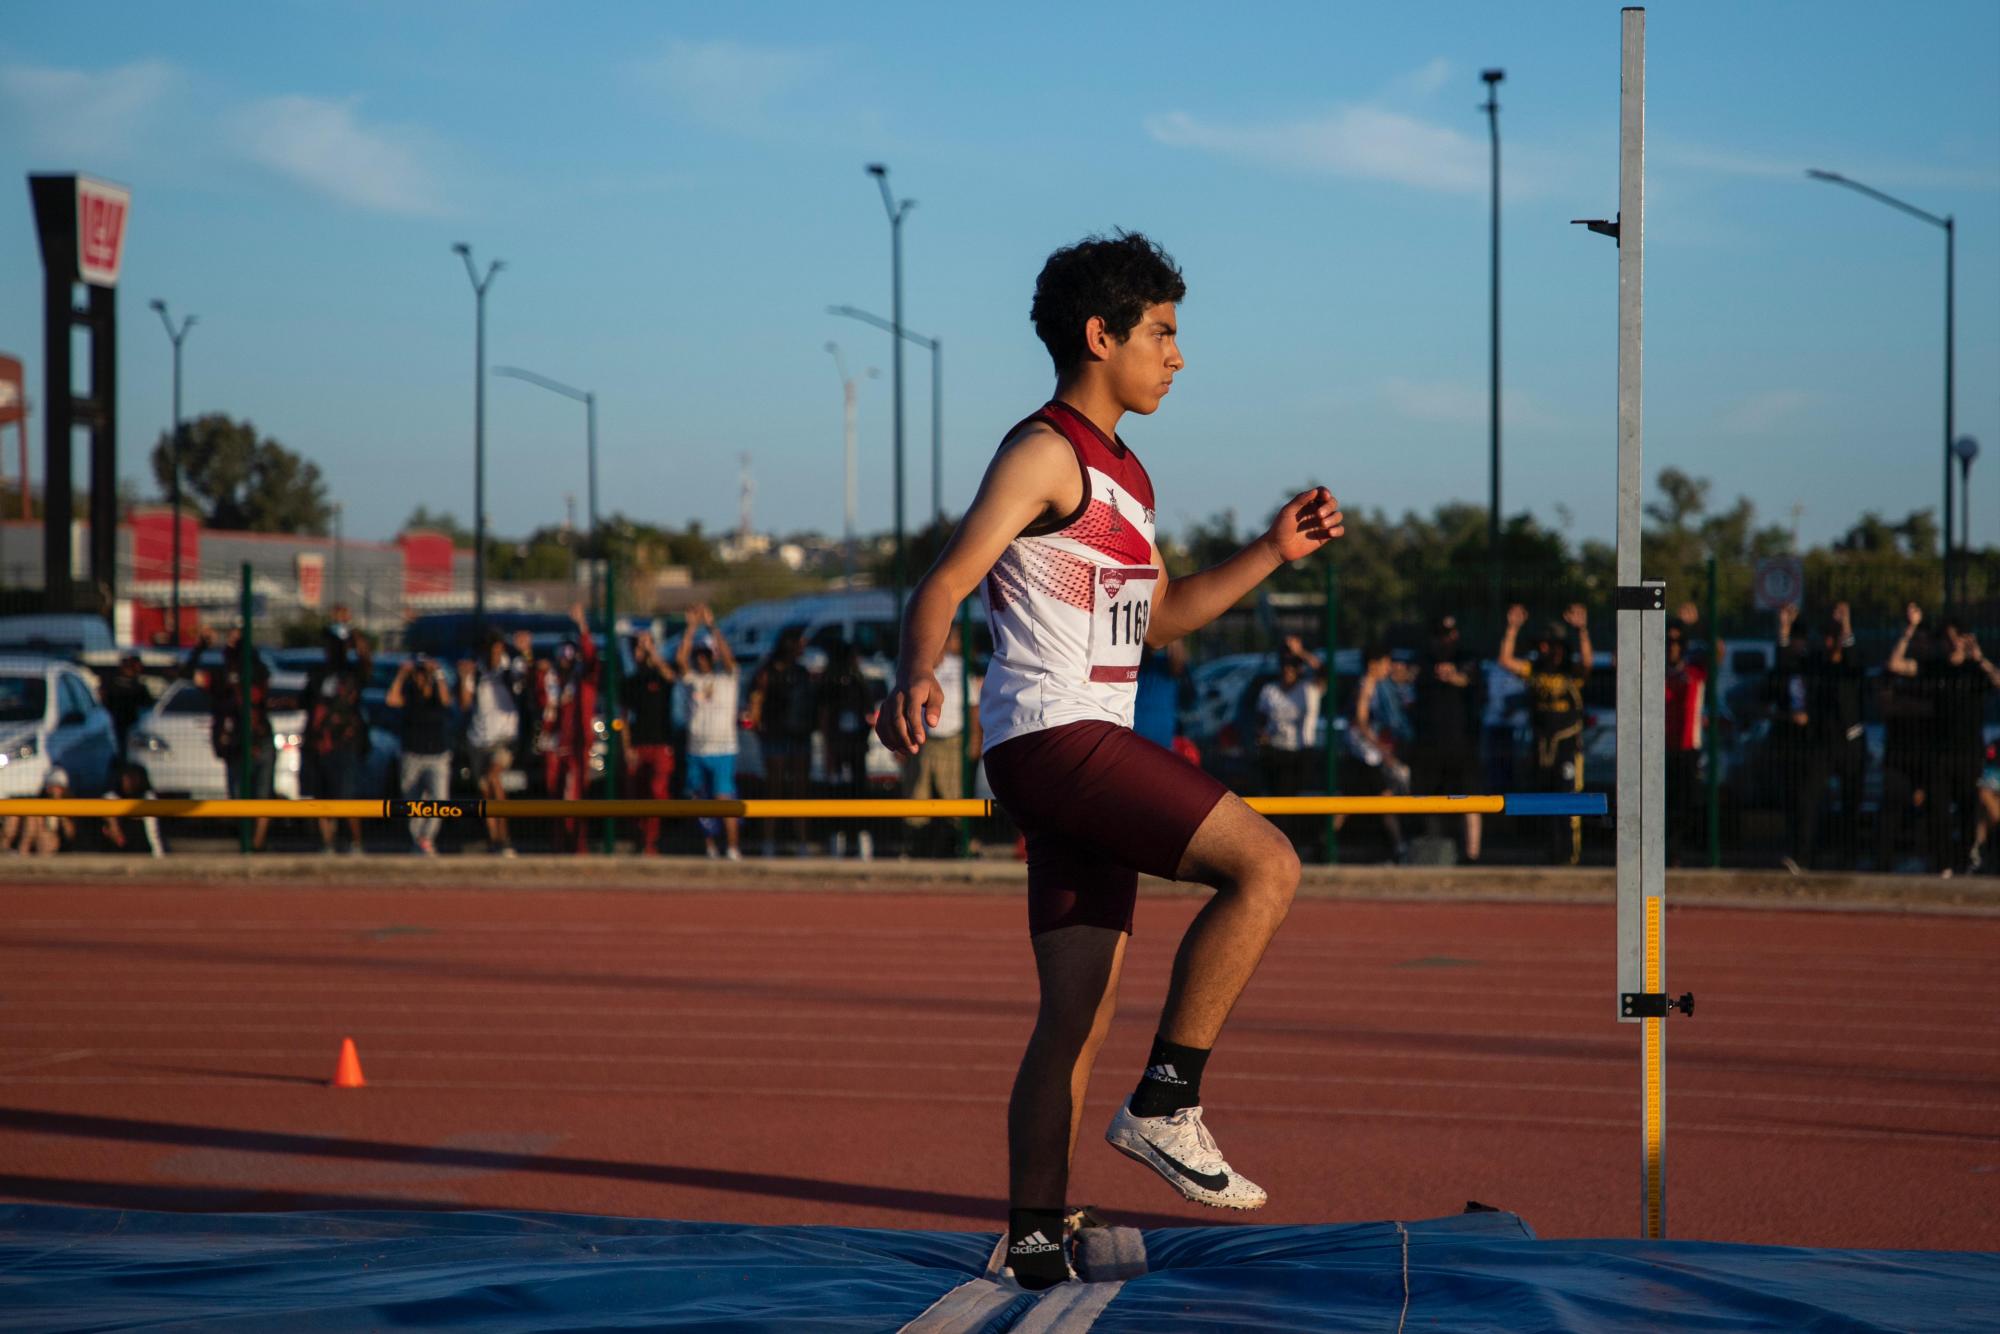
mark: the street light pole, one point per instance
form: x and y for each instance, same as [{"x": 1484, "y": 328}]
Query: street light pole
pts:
[
  {"x": 174, "y": 454},
  {"x": 850, "y": 389},
  {"x": 479, "y": 286},
  {"x": 896, "y": 210},
  {"x": 589, "y": 401},
  {"x": 1967, "y": 449},
  {"x": 1493, "y": 559},
  {"x": 1950, "y": 324},
  {"x": 935, "y": 346}
]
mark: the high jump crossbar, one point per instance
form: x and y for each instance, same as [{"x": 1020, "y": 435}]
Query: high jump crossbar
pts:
[{"x": 106, "y": 808}]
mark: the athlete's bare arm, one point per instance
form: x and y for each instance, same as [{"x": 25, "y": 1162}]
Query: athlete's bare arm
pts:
[
  {"x": 1034, "y": 474},
  {"x": 1308, "y": 521}
]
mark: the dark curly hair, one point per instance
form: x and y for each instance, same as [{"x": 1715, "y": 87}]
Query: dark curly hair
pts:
[{"x": 1115, "y": 276}]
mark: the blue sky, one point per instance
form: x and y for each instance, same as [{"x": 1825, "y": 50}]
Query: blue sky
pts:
[{"x": 678, "y": 191}]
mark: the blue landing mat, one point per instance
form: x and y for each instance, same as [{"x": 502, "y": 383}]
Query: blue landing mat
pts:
[{"x": 65, "y": 1269}]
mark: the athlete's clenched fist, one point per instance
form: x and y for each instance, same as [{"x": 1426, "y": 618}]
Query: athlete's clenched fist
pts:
[{"x": 1308, "y": 521}]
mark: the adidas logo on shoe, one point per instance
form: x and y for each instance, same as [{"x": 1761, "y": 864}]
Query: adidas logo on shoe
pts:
[
  {"x": 1164, "y": 1073},
  {"x": 1035, "y": 1243}
]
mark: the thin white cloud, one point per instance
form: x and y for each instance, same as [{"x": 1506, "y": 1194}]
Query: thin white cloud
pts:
[
  {"x": 72, "y": 112},
  {"x": 1763, "y": 411},
  {"x": 1370, "y": 142},
  {"x": 1462, "y": 403},
  {"x": 1425, "y": 79},
  {"x": 325, "y": 146},
  {"x": 728, "y": 84},
  {"x": 1905, "y": 176}
]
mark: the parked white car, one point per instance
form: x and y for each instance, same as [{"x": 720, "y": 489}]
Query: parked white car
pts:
[
  {"x": 50, "y": 716},
  {"x": 172, "y": 741}
]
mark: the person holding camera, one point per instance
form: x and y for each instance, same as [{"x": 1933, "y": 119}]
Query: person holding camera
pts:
[
  {"x": 650, "y": 756},
  {"x": 419, "y": 691}
]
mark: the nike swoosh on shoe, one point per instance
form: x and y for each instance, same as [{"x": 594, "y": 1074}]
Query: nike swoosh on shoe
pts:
[{"x": 1206, "y": 1180}]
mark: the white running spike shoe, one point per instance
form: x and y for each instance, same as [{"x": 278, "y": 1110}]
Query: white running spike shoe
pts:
[{"x": 1180, "y": 1149}]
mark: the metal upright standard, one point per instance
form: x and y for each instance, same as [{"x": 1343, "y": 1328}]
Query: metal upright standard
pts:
[{"x": 1641, "y": 606}]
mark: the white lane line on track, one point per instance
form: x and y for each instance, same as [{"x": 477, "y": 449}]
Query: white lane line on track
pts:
[
  {"x": 1328, "y": 1041},
  {"x": 385, "y": 1053},
  {"x": 1620, "y": 1126},
  {"x": 1349, "y": 949},
  {"x": 1733, "y": 1026},
  {"x": 52, "y": 1058},
  {"x": 1890, "y": 1001},
  {"x": 683, "y": 1040}
]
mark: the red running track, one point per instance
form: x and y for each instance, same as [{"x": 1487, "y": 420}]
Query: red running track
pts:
[{"x": 806, "y": 1058}]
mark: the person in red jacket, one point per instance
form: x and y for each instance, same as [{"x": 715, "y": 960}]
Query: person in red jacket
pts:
[{"x": 575, "y": 705}]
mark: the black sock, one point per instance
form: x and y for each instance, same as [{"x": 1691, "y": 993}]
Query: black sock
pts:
[
  {"x": 1172, "y": 1079},
  {"x": 1035, "y": 1247}
]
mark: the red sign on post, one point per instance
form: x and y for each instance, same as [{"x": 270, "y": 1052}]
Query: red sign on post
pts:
[{"x": 101, "y": 210}]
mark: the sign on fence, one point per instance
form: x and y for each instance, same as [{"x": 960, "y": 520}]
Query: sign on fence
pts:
[{"x": 1780, "y": 582}]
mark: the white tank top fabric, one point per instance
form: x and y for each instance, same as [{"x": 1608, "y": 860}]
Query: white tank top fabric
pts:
[
  {"x": 496, "y": 717},
  {"x": 1067, "y": 607}
]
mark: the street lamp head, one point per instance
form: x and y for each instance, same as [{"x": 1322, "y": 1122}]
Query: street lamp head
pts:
[
  {"x": 461, "y": 248},
  {"x": 1493, "y": 75},
  {"x": 877, "y": 169},
  {"x": 1966, "y": 448},
  {"x": 158, "y": 305},
  {"x": 1819, "y": 175}
]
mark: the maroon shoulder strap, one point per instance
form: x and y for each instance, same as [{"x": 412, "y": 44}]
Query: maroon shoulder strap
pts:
[{"x": 1065, "y": 426}]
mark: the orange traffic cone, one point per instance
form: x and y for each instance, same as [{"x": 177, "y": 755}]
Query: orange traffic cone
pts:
[{"x": 347, "y": 1074}]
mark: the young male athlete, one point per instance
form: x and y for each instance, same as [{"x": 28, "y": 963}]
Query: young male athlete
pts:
[{"x": 1059, "y": 541}]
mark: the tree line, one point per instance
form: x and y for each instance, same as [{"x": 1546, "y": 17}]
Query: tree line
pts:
[{"x": 1394, "y": 573}]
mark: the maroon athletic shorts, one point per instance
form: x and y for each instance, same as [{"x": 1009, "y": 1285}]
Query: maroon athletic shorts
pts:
[{"x": 1098, "y": 804}]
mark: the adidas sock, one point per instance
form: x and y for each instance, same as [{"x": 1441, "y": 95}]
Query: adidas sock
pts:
[
  {"x": 1172, "y": 1079},
  {"x": 1035, "y": 1247}
]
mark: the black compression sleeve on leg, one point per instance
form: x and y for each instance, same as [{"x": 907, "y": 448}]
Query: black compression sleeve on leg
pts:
[{"x": 1172, "y": 1079}]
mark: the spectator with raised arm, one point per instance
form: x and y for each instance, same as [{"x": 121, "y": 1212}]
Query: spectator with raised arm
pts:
[
  {"x": 649, "y": 700},
  {"x": 1958, "y": 674},
  {"x": 489, "y": 696},
  {"x": 708, "y": 680},
  {"x": 1824, "y": 721},
  {"x": 1555, "y": 678}
]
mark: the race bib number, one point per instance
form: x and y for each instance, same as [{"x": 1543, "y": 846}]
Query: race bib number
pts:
[{"x": 1121, "y": 604}]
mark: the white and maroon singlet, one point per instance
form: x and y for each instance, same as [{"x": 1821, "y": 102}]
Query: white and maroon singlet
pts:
[{"x": 1068, "y": 600}]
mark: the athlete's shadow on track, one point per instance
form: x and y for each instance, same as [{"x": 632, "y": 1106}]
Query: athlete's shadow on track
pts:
[{"x": 981, "y": 1210}]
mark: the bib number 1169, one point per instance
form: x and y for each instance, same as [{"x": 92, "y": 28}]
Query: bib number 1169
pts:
[{"x": 1128, "y": 621}]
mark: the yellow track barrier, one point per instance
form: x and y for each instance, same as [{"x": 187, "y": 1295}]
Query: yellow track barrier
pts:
[{"x": 882, "y": 808}]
